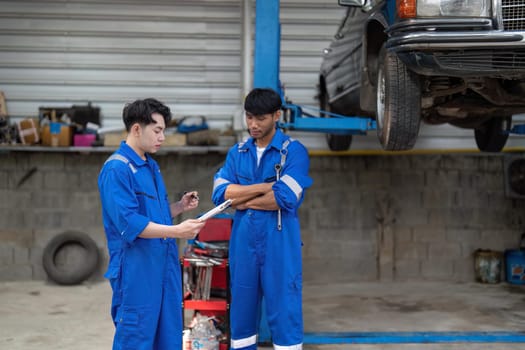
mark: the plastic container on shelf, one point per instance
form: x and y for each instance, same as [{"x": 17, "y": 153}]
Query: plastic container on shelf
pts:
[
  {"x": 515, "y": 263},
  {"x": 487, "y": 266},
  {"x": 203, "y": 343},
  {"x": 204, "y": 334}
]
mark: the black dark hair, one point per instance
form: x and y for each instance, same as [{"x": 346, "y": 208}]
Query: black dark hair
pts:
[
  {"x": 262, "y": 101},
  {"x": 140, "y": 111}
]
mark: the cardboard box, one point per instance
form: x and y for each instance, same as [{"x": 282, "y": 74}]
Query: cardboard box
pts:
[
  {"x": 208, "y": 137},
  {"x": 3, "y": 108},
  {"x": 62, "y": 139},
  {"x": 176, "y": 139},
  {"x": 28, "y": 131},
  {"x": 113, "y": 139}
]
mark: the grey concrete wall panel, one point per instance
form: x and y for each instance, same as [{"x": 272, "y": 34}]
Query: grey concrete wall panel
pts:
[{"x": 366, "y": 218}]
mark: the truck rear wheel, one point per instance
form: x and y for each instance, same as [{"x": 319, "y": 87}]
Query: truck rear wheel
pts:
[
  {"x": 398, "y": 100},
  {"x": 492, "y": 135}
]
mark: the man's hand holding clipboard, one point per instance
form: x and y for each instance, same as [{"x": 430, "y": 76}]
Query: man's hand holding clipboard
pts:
[{"x": 218, "y": 209}]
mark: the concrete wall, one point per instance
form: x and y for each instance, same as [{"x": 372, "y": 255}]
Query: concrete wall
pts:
[{"x": 398, "y": 217}]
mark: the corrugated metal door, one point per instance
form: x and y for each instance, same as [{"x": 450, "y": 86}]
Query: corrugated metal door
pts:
[
  {"x": 186, "y": 53},
  {"x": 59, "y": 53}
]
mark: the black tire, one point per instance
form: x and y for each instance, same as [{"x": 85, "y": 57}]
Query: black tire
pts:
[
  {"x": 398, "y": 101},
  {"x": 335, "y": 142},
  {"x": 491, "y": 136},
  {"x": 338, "y": 142},
  {"x": 79, "y": 272},
  {"x": 515, "y": 177}
]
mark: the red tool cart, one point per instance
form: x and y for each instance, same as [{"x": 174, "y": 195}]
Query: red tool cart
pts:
[{"x": 206, "y": 275}]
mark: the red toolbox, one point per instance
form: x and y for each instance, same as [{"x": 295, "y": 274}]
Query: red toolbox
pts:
[{"x": 205, "y": 263}]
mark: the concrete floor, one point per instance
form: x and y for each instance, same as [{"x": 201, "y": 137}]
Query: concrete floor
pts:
[{"x": 40, "y": 315}]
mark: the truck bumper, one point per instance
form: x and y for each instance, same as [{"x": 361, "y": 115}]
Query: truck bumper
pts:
[{"x": 465, "y": 48}]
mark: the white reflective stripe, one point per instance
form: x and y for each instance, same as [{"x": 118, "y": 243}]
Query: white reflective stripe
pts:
[
  {"x": 294, "y": 186},
  {"x": 219, "y": 181},
  {"x": 132, "y": 168},
  {"x": 289, "y": 347},
  {"x": 118, "y": 157},
  {"x": 122, "y": 159},
  {"x": 242, "y": 343},
  {"x": 241, "y": 145}
]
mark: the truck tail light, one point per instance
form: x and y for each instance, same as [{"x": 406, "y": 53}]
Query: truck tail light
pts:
[{"x": 406, "y": 8}]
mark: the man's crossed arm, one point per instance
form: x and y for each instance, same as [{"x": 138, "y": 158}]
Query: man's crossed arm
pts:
[{"x": 258, "y": 196}]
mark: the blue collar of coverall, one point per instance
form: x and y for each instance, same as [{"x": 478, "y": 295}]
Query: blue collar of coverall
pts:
[
  {"x": 277, "y": 141},
  {"x": 132, "y": 156}
]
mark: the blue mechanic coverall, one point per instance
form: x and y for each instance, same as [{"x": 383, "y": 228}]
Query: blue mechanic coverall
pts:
[
  {"x": 263, "y": 259},
  {"x": 144, "y": 273}
]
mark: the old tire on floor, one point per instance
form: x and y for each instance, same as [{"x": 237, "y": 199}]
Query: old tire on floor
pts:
[
  {"x": 85, "y": 256},
  {"x": 398, "y": 102}
]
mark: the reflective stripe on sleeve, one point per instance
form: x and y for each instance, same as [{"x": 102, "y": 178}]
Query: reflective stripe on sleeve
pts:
[
  {"x": 293, "y": 185},
  {"x": 122, "y": 159},
  {"x": 117, "y": 157},
  {"x": 289, "y": 347},
  {"x": 219, "y": 181},
  {"x": 244, "y": 342}
]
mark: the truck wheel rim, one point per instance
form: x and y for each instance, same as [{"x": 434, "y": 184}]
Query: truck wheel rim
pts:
[{"x": 380, "y": 99}]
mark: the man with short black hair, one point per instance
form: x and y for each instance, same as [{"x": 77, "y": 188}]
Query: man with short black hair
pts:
[
  {"x": 144, "y": 269},
  {"x": 266, "y": 177}
]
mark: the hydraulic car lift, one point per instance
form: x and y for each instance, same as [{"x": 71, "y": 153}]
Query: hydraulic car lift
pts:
[{"x": 266, "y": 75}]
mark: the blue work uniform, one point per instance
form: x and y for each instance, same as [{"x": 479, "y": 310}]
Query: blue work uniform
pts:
[
  {"x": 144, "y": 273},
  {"x": 266, "y": 260}
]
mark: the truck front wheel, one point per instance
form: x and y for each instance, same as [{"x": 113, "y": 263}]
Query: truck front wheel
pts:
[{"x": 398, "y": 100}]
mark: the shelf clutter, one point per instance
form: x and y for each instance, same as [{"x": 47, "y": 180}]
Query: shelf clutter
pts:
[
  {"x": 81, "y": 126},
  {"x": 76, "y": 125},
  {"x": 206, "y": 286}
]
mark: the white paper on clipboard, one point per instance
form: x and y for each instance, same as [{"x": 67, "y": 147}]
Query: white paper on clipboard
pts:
[{"x": 218, "y": 209}]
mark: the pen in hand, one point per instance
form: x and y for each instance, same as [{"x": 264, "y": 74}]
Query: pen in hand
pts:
[{"x": 193, "y": 195}]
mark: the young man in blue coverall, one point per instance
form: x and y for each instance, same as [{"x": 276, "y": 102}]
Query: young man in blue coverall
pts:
[
  {"x": 266, "y": 177},
  {"x": 144, "y": 269}
]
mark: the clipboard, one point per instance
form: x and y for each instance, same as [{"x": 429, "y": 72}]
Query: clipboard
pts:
[{"x": 218, "y": 209}]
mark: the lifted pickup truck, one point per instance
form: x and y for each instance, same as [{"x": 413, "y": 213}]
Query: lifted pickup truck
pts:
[{"x": 460, "y": 62}]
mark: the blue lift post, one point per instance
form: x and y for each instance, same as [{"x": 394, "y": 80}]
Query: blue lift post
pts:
[
  {"x": 266, "y": 75},
  {"x": 267, "y": 53}
]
